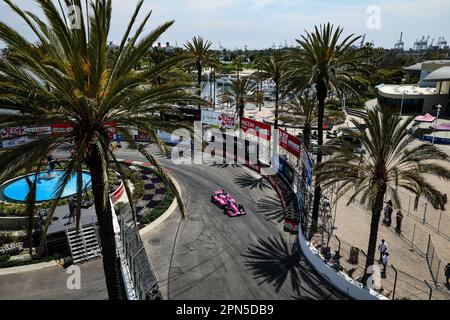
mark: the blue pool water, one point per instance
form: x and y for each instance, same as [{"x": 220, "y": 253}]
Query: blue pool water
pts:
[{"x": 17, "y": 190}]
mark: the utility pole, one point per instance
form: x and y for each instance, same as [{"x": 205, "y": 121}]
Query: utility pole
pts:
[
  {"x": 437, "y": 119},
  {"x": 401, "y": 104}
]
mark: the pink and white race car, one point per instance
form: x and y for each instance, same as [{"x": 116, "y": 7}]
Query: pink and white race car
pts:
[{"x": 227, "y": 203}]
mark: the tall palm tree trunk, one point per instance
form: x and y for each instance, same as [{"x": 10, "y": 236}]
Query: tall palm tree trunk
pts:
[
  {"x": 214, "y": 89},
  {"x": 241, "y": 111},
  {"x": 261, "y": 90},
  {"x": 277, "y": 98},
  {"x": 321, "y": 96},
  {"x": 199, "y": 80},
  {"x": 105, "y": 223},
  {"x": 307, "y": 136},
  {"x": 374, "y": 223}
]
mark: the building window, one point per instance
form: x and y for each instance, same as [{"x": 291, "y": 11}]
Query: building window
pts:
[{"x": 409, "y": 105}]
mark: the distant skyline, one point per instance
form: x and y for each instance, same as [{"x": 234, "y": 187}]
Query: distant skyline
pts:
[{"x": 263, "y": 23}]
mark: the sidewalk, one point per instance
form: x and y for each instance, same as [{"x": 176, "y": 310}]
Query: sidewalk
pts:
[
  {"x": 353, "y": 227},
  {"x": 408, "y": 251}
]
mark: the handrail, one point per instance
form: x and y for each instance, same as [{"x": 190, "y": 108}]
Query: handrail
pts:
[
  {"x": 395, "y": 281},
  {"x": 431, "y": 289}
]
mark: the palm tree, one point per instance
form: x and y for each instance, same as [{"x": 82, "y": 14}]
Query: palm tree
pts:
[
  {"x": 158, "y": 57},
  {"x": 202, "y": 57},
  {"x": 302, "y": 110},
  {"x": 64, "y": 78},
  {"x": 239, "y": 63},
  {"x": 325, "y": 62},
  {"x": 393, "y": 161},
  {"x": 272, "y": 67},
  {"x": 239, "y": 93}
]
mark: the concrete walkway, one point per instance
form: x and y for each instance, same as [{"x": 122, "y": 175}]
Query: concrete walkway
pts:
[{"x": 51, "y": 284}]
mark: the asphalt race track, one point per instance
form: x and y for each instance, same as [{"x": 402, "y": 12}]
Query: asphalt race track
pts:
[{"x": 214, "y": 256}]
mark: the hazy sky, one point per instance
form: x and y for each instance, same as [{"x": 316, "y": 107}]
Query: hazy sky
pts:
[{"x": 262, "y": 23}]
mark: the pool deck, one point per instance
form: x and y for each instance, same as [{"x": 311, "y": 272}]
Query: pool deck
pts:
[{"x": 88, "y": 216}]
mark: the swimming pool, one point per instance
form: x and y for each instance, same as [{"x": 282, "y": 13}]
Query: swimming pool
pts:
[{"x": 17, "y": 190}]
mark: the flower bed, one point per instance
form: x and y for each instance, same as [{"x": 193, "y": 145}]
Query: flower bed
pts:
[{"x": 150, "y": 195}]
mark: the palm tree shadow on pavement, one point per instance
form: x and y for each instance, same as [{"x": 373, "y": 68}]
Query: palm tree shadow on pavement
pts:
[
  {"x": 273, "y": 261},
  {"x": 271, "y": 208},
  {"x": 225, "y": 165},
  {"x": 248, "y": 181}
]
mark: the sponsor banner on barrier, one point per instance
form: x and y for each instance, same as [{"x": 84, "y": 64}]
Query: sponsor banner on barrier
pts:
[
  {"x": 289, "y": 142},
  {"x": 61, "y": 128},
  {"x": 218, "y": 119},
  {"x": 15, "y": 142},
  {"x": 263, "y": 130},
  {"x": 168, "y": 138},
  {"x": 142, "y": 137},
  {"x": 307, "y": 166},
  {"x": 17, "y": 131},
  {"x": 12, "y": 132},
  {"x": 14, "y": 136},
  {"x": 46, "y": 129}
]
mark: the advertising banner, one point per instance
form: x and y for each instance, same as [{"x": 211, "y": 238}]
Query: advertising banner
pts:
[
  {"x": 17, "y": 131},
  {"x": 307, "y": 166},
  {"x": 61, "y": 128},
  {"x": 12, "y": 132},
  {"x": 14, "y": 136},
  {"x": 218, "y": 119},
  {"x": 168, "y": 138},
  {"x": 142, "y": 137},
  {"x": 15, "y": 142},
  {"x": 263, "y": 130},
  {"x": 46, "y": 129},
  {"x": 290, "y": 143}
]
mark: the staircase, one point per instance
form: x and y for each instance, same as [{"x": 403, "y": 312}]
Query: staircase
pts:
[
  {"x": 360, "y": 113},
  {"x": 84, "y": 245}
]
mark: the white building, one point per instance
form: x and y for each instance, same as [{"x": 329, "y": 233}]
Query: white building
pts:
[{"x": 433, "y": 89}]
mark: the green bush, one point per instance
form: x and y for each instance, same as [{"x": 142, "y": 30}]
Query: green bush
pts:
[
  {"x": 136, "y": 180},
  {"x": 3, "y": 260},
  {"x": 6, "y": 237}
]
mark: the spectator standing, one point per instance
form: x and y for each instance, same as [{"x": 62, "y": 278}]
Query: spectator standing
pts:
[
  {"x": 382, "y": 247},
  {"x": 385, "y": 262},
  {"x": 72, "y": 209},
  {"x": 388, "y": 214}
]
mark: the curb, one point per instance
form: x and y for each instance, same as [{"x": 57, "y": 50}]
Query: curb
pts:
[{"x": 31, "y": 267}]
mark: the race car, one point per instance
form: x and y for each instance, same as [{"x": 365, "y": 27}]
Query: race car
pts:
[
  {"x": 219, "y": 198},
  {"x": 227, "y": 203}
]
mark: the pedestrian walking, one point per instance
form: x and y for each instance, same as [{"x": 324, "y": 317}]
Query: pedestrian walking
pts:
[
  {"x": 388, "y": 213},
  {"x": 399, "y": 218},
  {"x": 385, "y": 262},
  {"x": 382, "y": 247},
  {"x": 447, "y": 275},
  {"x": 72, "y": 209}
]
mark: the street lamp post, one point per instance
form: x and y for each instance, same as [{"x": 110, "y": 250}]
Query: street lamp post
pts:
[{"x": 438, "y": 107}]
